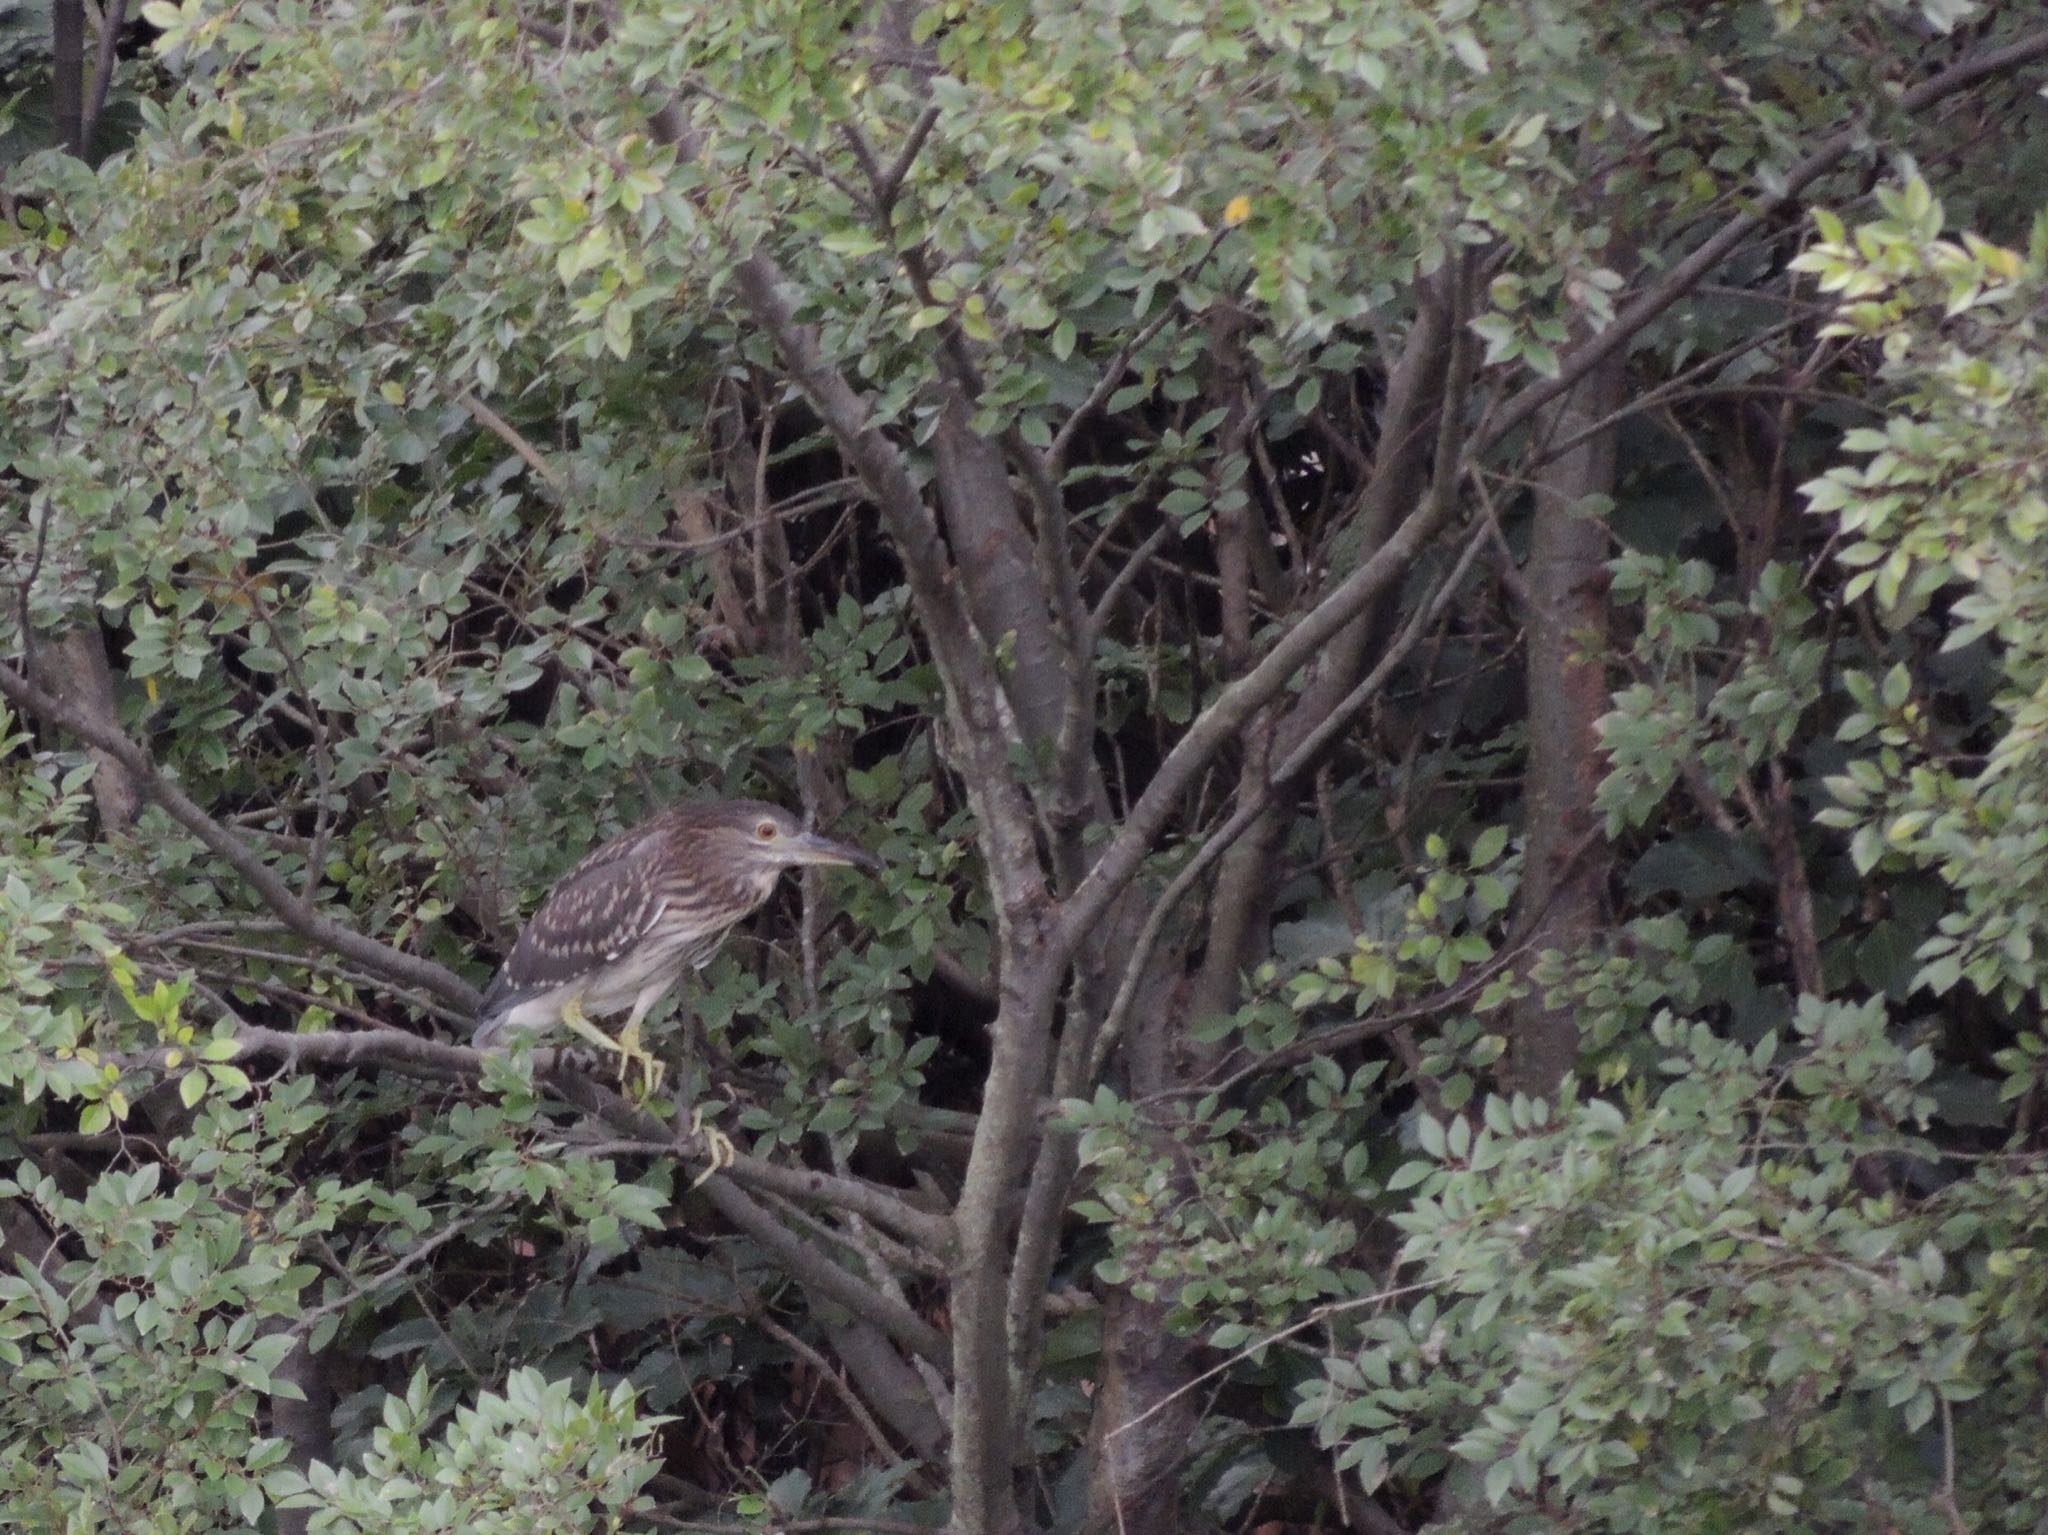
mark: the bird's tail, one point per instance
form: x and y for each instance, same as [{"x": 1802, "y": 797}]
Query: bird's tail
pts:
[
  {"x": 494, "y": 1014},
  {"x": 490, "y": 1030}
]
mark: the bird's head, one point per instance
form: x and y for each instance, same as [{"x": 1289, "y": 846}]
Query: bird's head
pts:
[{"x": 767, "y": 839}]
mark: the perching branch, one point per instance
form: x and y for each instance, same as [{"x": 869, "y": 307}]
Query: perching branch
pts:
[{"x": 398, "y": 1050}]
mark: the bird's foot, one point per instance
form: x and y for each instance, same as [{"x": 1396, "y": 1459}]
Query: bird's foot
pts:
[
  {"x": 647, "y": 1067},
  {"x": 634, "y": 1059},
  {"x": 719, "y": 1151},
  {"x": 633, "y": 1056}
]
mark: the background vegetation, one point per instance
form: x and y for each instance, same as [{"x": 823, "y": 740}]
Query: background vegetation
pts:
[{"x": 1440, "y": 612}]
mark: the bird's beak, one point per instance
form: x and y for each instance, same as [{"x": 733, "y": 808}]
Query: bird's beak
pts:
[{"x": 812, "y": 848}]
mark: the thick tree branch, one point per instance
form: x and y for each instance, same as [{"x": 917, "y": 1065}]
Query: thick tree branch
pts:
[
  {"x": 1430, "y": 377},
  {"x": 1004, "y": 818},
  {"x": 72, "y": 667},
  {"x": 998, "y": 569}
]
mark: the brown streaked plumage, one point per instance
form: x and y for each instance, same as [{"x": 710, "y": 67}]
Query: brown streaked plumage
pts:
[{"x": 620, "y": 928}]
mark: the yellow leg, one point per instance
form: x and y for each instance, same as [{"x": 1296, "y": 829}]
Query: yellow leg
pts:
[{"x": 626, "y": 1047}]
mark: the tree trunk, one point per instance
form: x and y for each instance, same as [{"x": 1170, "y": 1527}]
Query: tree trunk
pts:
[
  {"x": 72, "y": 667},
  {"x": 307, "y": 1425},
  {"x": 67, "y": 73},
  {"x": 1145, "y": 1418},
  {"x": 1565, "y": 868},
  {"x": 1145, "y": 1411}
]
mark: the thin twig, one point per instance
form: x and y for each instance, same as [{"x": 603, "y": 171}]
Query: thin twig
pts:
[
  {"x": 405, "y": 1265},
  {"x": 323, "y": 754},
  {"x": 512, "y": 438},
  {"x": 1315, "y": 1318},
  {"x": 839, "y": 1388}
]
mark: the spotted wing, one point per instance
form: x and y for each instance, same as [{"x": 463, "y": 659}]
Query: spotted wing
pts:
[{"x": 595, "y": 914}]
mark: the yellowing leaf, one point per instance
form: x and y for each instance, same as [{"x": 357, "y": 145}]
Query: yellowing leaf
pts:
[{"x": 1237, "y": 210}]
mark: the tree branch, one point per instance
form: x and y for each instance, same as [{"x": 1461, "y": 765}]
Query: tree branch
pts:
[
  {"x": 827, "y": 1278},
  {"x": 1218, "y": 724},
  {"x": 433, "y": 1060},
  {"x": 298, "y": 914},
  {"x": 890, "y": 184},
  {"x": 112, "y": 21},
  {"x": 1297, "y": 763},
  {"x": 1687, "y": 274},
  {"x": 510, "y": 435}
]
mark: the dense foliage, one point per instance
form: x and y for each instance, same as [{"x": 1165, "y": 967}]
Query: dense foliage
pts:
[{"x": 1439, "y": 613}]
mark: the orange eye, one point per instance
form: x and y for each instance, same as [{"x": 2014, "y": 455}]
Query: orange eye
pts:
[{"x": 765, "y": 831}]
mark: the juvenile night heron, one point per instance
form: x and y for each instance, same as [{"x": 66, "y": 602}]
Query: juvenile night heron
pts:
[{"x": 619, "y": 929}]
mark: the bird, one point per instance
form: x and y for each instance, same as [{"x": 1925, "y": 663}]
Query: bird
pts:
[{"x": 619, "y": 930}]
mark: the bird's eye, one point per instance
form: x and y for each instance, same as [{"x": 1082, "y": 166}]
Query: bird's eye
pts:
[{"x": 765, "y": 831}]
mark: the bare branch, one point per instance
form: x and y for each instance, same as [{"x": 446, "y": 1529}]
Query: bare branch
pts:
[
  {"x": 1119, "y": 583},
  {"x": 510, "y": 435},
  {"x": 412, "y": 1260},
  {"x": 822, "y": 1368},
  {"x": 890, "y": 184},
  {"x": 1120, "y": 364},
  {"x": 1218, "y": 724},
  {"x": 819, "y": 1273},
  {"x": 323, "y": 753}
]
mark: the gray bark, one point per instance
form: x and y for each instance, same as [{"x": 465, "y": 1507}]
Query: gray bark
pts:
[
  {"x": 1564, "y": 867},
  {"x": 72, "y": 667}
]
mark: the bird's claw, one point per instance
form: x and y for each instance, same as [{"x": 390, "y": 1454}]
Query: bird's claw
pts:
[
  {"x": 719, "y": 1151},
  {"x": 648, "y": 1067},
  {"x": 635, "y": 1056}
]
